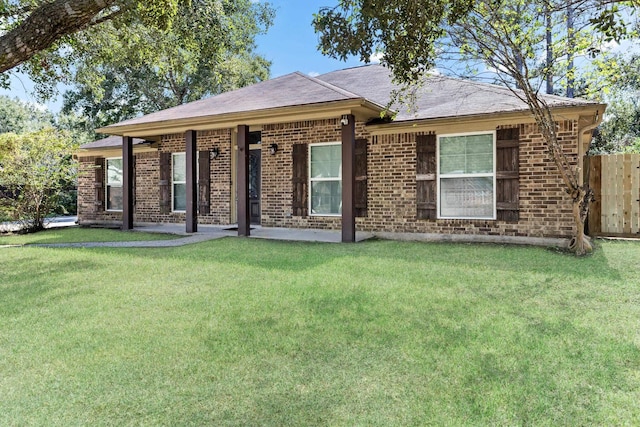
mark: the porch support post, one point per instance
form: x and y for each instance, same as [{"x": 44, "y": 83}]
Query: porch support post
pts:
[
  {"x": 348, "y": 178},
  {"x": 244, "y": 226},
  {"x": 192, "y": 181},
  {"x": 127, "y": 183}
]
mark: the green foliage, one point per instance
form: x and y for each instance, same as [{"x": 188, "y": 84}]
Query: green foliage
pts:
[
  {"x": 404, "y": 31},
  {"x": 78, "y": 127},
  {"x": 620, "y": 129},
  {"x": 36, "y": 171},
  {"x": 17, "y": 116},
  {"x": 415, "y": 36},
  {"x": 125, "y": 70},
  {"x": 52, "y": 62},
  {"x": 613, "y": 21}
]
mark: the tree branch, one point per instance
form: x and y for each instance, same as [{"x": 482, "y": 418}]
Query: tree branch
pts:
[{"x": 44, "y": 26}]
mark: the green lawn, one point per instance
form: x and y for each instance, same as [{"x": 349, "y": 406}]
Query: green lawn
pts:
[
  {"x": 261, "y": 333},
  {"x": 80, "y": 234}
]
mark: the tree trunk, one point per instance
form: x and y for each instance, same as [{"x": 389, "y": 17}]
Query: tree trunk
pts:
[
  {"x": 45, "y": 26},
  {"x": 570, "y": 52},
  {"x": 581, "y": 243},
  {"x": 549, "y": 40}
]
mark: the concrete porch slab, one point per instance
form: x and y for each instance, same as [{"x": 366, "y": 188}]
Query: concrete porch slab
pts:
[{"x": 257, "y": 232}]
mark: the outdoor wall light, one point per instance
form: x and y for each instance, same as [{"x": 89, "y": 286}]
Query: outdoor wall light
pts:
[
  {"x": 215, "y": 152},
  {"x": 273, "y": 149},
  {"x": 345, "y": 120}
]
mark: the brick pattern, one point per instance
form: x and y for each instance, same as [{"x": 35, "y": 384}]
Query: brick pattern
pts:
[
  {"x": 545, "y": 208},
  {"x": 147, "y": 176}
]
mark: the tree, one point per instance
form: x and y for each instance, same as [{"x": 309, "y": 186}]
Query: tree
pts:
[
  {"x": 18, "y": 116},
  {"x": 620, "y": 130},
  {"x": 123, "y": 71},
  {"x": 507, "y": 36},
  {"x": 22, "y": 118},
  {"x": 35, "y": 170},
  {"x": 30, "y": 26},
  {"x": 405, "y": 31}
]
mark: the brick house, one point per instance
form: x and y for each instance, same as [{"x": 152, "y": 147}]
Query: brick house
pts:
[{"x": 313, "y": 152}]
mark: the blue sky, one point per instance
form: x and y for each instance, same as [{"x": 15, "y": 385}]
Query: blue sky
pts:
[{"x": 291, "y": 45}]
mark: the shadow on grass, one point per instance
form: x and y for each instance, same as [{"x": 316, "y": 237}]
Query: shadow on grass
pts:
[
  {"x": 255, "y": 253},
  {"x": 487, "y": 256},
  {"x": 301, "y": 256},
  {"x": 37, "y": 285}
]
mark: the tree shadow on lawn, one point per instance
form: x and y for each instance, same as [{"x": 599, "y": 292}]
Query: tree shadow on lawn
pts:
[
  {"x": 302, "y": 256},
  {"x": 40, "y": 283},
  {"x": 495, "y": 257},
  {"x": 256, "y": 253}
]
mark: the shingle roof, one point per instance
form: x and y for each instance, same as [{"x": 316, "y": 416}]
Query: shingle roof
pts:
[
  {"x": 110, "y": 141},
  {"x": 286, "y": 91},
  {"x": 440, "y": 96}
]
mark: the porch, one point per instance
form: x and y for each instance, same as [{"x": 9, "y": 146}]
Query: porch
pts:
[{"x": 197, "y": 193}]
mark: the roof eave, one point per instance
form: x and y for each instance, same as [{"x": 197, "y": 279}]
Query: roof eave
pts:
[
  {"x": 362, "y": 108},
  {"x": 573, "y": 110}
]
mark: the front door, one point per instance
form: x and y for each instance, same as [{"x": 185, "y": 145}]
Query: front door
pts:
[{"x": 254, "y": 185}]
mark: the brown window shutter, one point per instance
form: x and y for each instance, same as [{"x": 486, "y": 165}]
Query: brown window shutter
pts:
[
  {"x": 426, "y": 196},
  {"x": 507, "y": 174},
  {"x": 133, "y": 182},
  {"x": 99, "y": 183},
  {"x": 361, "y": 177},
  {"x": 300, "y": 181},
  {"x": 165, "y": 182},
  {"x": 204, "y": 182}
]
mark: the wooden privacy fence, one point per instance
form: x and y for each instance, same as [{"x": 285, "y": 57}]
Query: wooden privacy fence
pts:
[{"x": 615, "y": 180}]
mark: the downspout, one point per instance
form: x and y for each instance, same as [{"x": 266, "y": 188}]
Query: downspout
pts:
[{"x": 595, "y": 122}]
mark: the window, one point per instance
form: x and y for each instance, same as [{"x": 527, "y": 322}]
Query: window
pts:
[
  {"x": 114, "y": 184},
  {"x": 325, "y": 176},
  {"x": 179, "y": 182},
  {"x": 466, "y": 176}
]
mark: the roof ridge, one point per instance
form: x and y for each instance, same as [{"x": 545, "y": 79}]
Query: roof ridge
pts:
[
  {"x": 371, "y": 64},
  {"x": 330, "y": 86},
  {"x": 505, "y": 88}
]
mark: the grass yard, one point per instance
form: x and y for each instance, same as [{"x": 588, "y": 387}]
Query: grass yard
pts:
[
  {"x": 80, "y": 234},
  {"x": 252, "y": 332}
]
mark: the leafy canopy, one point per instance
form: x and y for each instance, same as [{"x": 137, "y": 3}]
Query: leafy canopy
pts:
[
  {"x": 17, "y": 116},
  {"x": 30, "y": 27},
  {"x": 125, "y": 70},
  {"x": 405, "y": 31},
  {"x": 36, "y": 169},
  {"x": 414, "y": 36}
]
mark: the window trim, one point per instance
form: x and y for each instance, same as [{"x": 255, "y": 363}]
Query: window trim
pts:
[
  {"x": 107, "y": 185},
  {"x": 311, "y": 180},
  {"x": 174, "y": 182},
  {"x": 492, "y": 174}
]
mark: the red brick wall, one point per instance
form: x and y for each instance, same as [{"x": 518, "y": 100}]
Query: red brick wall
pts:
[
  {"x": 220, "y": 212},
  {"x": 88, "y": 210},
  {"x": 545, "y": 208},
  {"x": 147, "y": 177}
]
